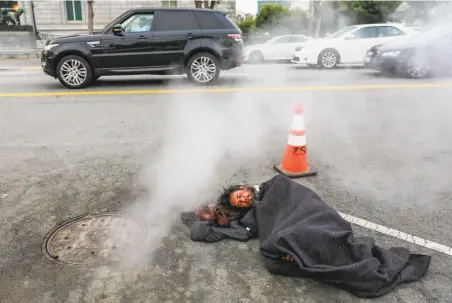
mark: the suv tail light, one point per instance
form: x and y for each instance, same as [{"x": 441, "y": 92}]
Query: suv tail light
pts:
[{"x": 236, "y": 37}]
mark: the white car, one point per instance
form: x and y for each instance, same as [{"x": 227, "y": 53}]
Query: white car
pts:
[
  {"x": 277, "y": 48},
  {"x": 349, "y": 45}
]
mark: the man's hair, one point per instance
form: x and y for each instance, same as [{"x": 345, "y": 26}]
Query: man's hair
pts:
[{"x": 223, "y": 199}]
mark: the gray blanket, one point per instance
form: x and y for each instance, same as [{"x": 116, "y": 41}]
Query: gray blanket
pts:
[{"x": 293, "y": 220}]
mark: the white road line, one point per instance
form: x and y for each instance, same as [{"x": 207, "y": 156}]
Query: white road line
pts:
[{"x": 398, "y": 234}]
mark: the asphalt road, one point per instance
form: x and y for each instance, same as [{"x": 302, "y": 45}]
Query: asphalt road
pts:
[{"x": 380, "y": 146}]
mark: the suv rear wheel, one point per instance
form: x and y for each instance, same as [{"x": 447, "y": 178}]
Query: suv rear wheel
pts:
[
  {"x": 74, "y": 72},
  {"x": 203, "y": 69}
]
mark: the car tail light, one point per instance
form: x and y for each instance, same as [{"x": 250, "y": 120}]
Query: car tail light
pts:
[{"x": 236, "y": 37}]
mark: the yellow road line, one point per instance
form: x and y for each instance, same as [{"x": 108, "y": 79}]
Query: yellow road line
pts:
[{"x": 228, "y": 90}]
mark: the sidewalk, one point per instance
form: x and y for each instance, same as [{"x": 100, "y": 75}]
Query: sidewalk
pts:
[
  {"x": 19, "y": 45},
  {"x": 21, "y": 53}
]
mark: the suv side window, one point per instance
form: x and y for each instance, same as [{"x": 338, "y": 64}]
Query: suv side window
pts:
[
  {"x": 212, "y": 20},
  {"x": 389, "y": 31},
  {"x": 138, "y": 23},
  {"x": 175, "y": 21}
]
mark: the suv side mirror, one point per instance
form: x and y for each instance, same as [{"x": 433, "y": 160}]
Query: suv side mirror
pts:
[
  {"x": 118, "y": 30},
  {"x": 350, "y": 37}
]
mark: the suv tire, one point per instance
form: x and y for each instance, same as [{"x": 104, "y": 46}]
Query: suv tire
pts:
[
  {"x": 203, "y": 69},
  {"x": 74, "y": 72}
]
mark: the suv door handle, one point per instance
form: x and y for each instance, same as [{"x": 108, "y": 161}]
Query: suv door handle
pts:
[
  {"x": 142, "y": 37},
  {"x": 190, "y": 36}
]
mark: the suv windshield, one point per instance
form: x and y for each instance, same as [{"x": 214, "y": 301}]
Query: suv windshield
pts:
[{"x": 342, "y": 31}]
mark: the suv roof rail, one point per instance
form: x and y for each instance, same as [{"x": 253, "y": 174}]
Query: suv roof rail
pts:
[{"x": 174, "y": 8}]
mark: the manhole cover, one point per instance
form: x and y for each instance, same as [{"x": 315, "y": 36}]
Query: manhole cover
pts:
[{"x": 94, "y": 240}]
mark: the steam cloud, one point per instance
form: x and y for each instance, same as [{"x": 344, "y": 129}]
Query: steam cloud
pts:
[{"x": 207, "y": 138}]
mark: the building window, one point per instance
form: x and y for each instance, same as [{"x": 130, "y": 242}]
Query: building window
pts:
[
  {"x": 74, "y": 10},
  {"x": 169, "y": 3}
]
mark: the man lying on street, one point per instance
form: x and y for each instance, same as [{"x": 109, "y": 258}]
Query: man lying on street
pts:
[
  {"x": 302, "y": 236},
  {"x": 215, "y": 222}
]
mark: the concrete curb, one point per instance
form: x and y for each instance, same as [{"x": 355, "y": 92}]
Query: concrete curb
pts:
[{"x": 14, "y": 54}]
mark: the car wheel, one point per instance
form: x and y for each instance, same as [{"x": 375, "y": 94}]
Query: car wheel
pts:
[
  {"x": 203, "y": 69},
  {"x": 256, "y": 57},
  {"x": 74, "y": 72},
  {"x": 417, "y": 71},
  {"x": 328, "y": 58}
]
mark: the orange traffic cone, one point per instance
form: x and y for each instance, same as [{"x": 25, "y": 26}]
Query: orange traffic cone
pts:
[{"x": 295, "y": 162}]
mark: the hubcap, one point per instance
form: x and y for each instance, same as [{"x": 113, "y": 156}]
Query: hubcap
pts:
[
  {"x": 73, "y": 72},
  {"x": 203, "y": 69},
  {"x": 329, "y": 59},
  {"x": 417, "y": 71}
]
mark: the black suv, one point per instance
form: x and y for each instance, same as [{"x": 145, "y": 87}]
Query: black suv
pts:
[{"x": 198, "y": 42}]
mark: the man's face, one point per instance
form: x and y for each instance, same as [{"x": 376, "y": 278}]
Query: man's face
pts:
[
  {"x": 142, "y": 23},
  {"x": 241, "y": 198}
]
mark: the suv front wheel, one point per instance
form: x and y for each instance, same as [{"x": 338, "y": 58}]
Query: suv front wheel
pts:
[
  {"x": 203, "y": 69},
  {"x": 74, "y": 72}
]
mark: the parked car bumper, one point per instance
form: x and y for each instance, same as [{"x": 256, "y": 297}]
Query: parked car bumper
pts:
[
  {"x": 389, "y": 64},
  {"x": 296, "y": 60},
  {"x": 232, "y": 63},
  {"x": 369, "y": 60}
]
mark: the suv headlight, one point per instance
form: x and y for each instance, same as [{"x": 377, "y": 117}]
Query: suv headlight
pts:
[{"x": 49, "y": 46}]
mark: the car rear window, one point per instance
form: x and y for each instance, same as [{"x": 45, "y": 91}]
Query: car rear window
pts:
[{"x": 213, "y": 20}]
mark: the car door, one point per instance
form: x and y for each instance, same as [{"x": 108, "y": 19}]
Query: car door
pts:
[
  {"x": 131, "y": 49},
  {"x": 357, "y": 43},
  {"x": 174, "y": 30}
]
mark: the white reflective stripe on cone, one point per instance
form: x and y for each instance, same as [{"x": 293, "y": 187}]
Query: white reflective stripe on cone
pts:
[
  {"x": 298, "y": 122},
  {"x": 296, "y": 140}
]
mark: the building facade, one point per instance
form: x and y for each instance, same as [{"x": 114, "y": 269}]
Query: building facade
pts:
[{"x": 67, "y": 17}]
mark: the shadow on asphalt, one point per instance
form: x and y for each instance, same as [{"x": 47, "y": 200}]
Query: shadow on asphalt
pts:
[
  {"x": 165, "y": 83},
  {"x": 376, "y": 74},
  {"x": 108, "y": 83},
  {"x": 324, "y": 69}
]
